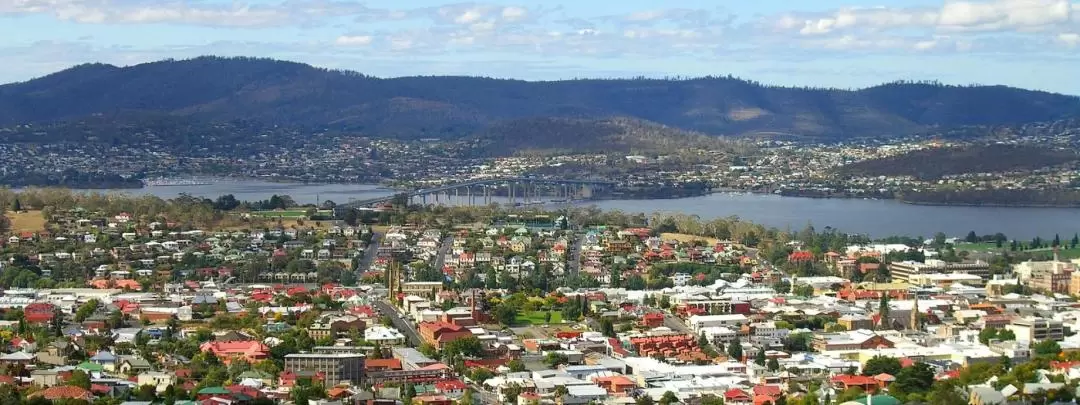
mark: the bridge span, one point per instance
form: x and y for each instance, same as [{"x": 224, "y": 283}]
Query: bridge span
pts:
[{"x": 485, "y": 190}]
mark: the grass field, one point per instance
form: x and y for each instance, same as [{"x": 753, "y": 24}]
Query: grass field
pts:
[
  {"x": 537, "y": 318},
  {"x": 27, "y": 221},
  {"x": 684, "y": 238}
]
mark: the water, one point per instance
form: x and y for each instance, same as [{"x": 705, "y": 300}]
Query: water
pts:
[
  {"x": 252, "y": 190},
  {"x": 877, "y": 218}
]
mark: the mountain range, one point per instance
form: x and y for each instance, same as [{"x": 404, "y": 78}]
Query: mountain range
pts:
[{"x": 272, "y": 92}]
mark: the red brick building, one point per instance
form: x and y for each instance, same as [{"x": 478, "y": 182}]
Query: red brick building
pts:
[
  {"x": 39, "y": 312},
  {"x": 439, "y": 333}
]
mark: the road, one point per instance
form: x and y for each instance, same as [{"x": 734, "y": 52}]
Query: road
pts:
[
  {"x": 484, "y": 396},
  {"x": 444, "y": 248},
  {"x": 676, "y": 324},
  {"x": 370, "y": 253},
  {"x": 399, "y": 323},
  {"x": 574, "y": 265}
]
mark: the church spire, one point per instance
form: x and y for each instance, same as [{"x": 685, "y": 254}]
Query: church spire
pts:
[{"x": 915, "y": 313}]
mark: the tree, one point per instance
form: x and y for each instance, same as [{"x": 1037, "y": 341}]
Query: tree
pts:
[
  {"x": 760, "y": 358},
  {"x": 560, "y": 393},
  {"x": 516, "y": 365},
  {"x": 468, "y": 346},
  {"x": 506, "y": 314},
  {"x": 915, "y": 379},
  {"x": 79, "y": 379},
  {"x": 773, "y": 365},
  {"x": 882, "y": 365},
  {"x": 850, "y": 394},
  {"x": 607, "y": 327},
  {"x": 85, "y": 310},
  {"x": 480, "y": 374},
  {"x": 971, "y": 237},
  {"x": 511, "y": 393},
  {"x": 644, "y": 400},
  {"x": 735, "y": 351},
  {"x": 146, "y": 392},
  {"x": 1047, "y": 348},
  {"x": 883, "y": 311},
  {"x": 554, "y": 359},
  {"x": 669, "y": 398}
]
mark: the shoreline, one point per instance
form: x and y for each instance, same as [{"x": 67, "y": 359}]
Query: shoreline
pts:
[{"x": 643, "y": 197}]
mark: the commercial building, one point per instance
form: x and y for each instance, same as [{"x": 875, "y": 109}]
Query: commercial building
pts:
[
  {"x": 1034, "y": 329},
  {"x": 903, "y": 271},
  {"x": 337, "y": 367},
  {"x": 946, "y": 280}
]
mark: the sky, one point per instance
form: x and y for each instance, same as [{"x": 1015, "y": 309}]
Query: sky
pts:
[{"x": 822, "y": 43}]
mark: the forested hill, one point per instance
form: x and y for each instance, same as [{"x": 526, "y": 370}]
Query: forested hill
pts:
[{"x": 285, "y": 93}]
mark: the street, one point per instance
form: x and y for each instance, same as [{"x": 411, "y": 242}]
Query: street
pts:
[
  {"x": 444, "y": 248},
  {"x": 574, "y": 265},
  {"x": 399, "y": 323},
  {"x": 370, "y": 253}
]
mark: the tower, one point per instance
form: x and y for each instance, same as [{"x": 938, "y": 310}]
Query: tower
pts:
[{"x": 915, "y": 314}]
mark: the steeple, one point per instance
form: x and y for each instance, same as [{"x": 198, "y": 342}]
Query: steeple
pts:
[{"x": 915, "y": 314}]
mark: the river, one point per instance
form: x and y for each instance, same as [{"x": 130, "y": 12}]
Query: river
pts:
[{"x": 877, "y": 218}]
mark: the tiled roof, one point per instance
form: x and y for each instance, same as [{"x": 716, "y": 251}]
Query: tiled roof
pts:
[{"x": 64, "y": 392}]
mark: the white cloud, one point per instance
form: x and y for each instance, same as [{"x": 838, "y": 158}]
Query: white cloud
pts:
[
  {"x": 483, "y": 26},
  {"x": 925, "y": 45},
  {"x": 1004, "y": 14},
  {"x": 1070, "y": 39},
  {"x": 469, "y": 16},
  {"x": 512, "y": 14},
  {"x": 648, "y": 15},
  {"x": 354, "y": 40},
  {"x": 953, "y": 15}
]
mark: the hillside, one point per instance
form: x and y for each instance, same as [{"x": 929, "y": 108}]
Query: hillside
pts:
[
  {"x": 273, "y": 92},
  {"x": 935, "y": 163},
  {"x": 551, "y": 135}
]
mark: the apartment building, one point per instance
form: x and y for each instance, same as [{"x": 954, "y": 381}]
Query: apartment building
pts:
[
  {"x": 1034, "y": 329},
  {"x": 338, "y": 367},
  {"x": 905, "y": 270}
]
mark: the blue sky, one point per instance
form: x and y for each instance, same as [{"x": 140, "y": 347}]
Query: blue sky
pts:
[{"x": 835, "y": 43}]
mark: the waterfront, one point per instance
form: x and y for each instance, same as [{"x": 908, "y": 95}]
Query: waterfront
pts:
[{"x": 876, "y": 218}]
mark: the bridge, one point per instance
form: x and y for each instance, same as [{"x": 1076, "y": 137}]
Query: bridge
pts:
[{"x": 526, "y": 188}]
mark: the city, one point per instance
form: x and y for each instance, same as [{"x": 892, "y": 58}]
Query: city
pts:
[{"x": 438, "y": 305}]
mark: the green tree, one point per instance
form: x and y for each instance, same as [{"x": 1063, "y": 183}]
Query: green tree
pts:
[
  {"x": 915, "y": 379},
  {"x": 850, "y": 394},
  {"x": 644, "y": 400},
  {"x": 1047, "y": 348},
  {"x": 468, "y": 346},
  {"x": 506, "y": 314},
  {"x": 607, "y": 327},
  {"x": 735, "y": 351},
  {"x": 146, "y": 392},
  {"x": 516, "y": 365},
  {"x": 760, "y": 358},
  {"x": 882, "y": 365},
  {"x": 79, "y": 379},
  {"x": 773, "y": 365},
  {"x": 555, "y": 359},
  {"x": 669, "y": 398}
]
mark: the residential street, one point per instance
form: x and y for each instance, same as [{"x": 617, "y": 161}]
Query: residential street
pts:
[
  {"x": 574, "y": 265},
  {"x": 370, "y": 253},
  {"x": 444, "y": 248}
]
